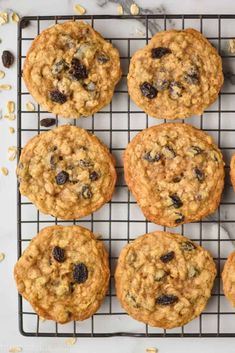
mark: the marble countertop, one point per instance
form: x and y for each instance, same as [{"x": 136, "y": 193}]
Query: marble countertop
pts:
[{"x": 9, "y": 334}]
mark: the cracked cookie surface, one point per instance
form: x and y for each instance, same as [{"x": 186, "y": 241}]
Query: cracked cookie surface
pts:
[
  {"x": 178, "y": 74},
  {"x": 71, "y": 70},
  {"x": 66, "y": 172},
  {"x": 175, "y": 172},
  {"x": 228, "y": 278},
  {"x": 164, "y": 279},
  {"x": 63, "y": 273}
]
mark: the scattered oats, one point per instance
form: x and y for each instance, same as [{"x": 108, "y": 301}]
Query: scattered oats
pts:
[
  {"x": 12, "y": 148},
  {"x": 30, "y": 107},
  {"x": 5, "y": 87},
  {"x": 2, "y": 256},
  {"x": 2, "y": 74},
  {"x": 4, "y": 171},
  {"x": 79, "y": 9},
  {"x": 139, "y": 32},
  {"x": 10, "y": 116},
  {"x": 15, "y": 349},
  {"x": 231, "y": 46},
  {"x": 15, "y": 17},
  {"x": 71, "y": 341},
  {"x": 10, "y": 107},
  {"x": 3, "y": 18},
  {"x": 120, "y": 9},
  {"x": 151, "y": 350},
  {"x": 134, "y": 9},
  {"x": 12, "y": 152},
  {"x": 11, "y": 130}
]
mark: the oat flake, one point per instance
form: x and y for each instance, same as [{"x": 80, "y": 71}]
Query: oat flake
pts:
[
  {"x": 120, "y": 9},
  {"x": 2, "y": 256},
  {"x": 15, "y": 17},
  {"x": 15, "y": 349},
  {"x": 11, "y": 130},
  {"x": 71, "y": 341},
  {"x": 139, "y": 32},
  {"x": 10, "y": 116},
  {"x": 2, "y": 74},
  {"x": 78, "y": 8},
  {"x": 151, "y": 350},
  {"x": 134, "y": 9},
  {"x": 3, "y": 18},
  {"x": 5, "y": 87},
  {"x": 231, "y": 46},
  {"x": 4, "y": 171},
  {"x": 10, "y": 106},
  {"x": 30, "y": 107}
]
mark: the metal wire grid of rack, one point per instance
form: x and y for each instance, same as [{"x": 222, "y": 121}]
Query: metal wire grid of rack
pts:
[{"x": 120, "y": 220}]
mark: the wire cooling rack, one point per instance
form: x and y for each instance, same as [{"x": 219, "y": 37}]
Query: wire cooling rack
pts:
[{"x": 120, "y": 220}]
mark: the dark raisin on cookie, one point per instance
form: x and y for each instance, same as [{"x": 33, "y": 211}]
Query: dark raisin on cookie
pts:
[
  {"x": 167, "y": 257},
  {"x": 151, "y": 157},
  {"x": 78, "y": 70},
  {"x": 166, "y": 299},
  {"x": 58, "y": 254},
  {"x": 7, "y": 58},
  {"x": 62, "y": 178},
  {"x": 177, "y": 178},
  {"x": 175, "y": 90},
  {"x": 187, "y": 246},
  {"x": 158, "y": 53},
  {"x": 57, "y": 96},
  {"x": 192, "y": 76},
  {"x": 80, "y": 273},
  {"x": 176, "y": 201},
  {"x": 47, "y": 122},
  {"x": 180, "y": 218},
  {"x": 86, "y": 192},
  {"x": 93, "y": 176},
  {"x": 102, "y": 58},
  {"x": 148, "y": 90},
  {"x": 85, "y": 163},
  {"x": 199, "y": 174}
]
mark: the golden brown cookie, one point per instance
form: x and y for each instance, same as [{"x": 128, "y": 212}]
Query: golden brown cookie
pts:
[
  {"x": 63, "y": 273},
  {"x": 66, "y": 172},
  {"x": 178, "y": 74},
  {"x": 175, "y": 172},
  {"x": 164, "y": 279},
  {"x": 71, "y": 70},
  {"x": 232, "y": 171},
  {"x": 228, "y": 278}
]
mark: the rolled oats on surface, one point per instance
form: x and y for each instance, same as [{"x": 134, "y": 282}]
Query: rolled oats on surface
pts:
[{"x": 78, "y": 8}]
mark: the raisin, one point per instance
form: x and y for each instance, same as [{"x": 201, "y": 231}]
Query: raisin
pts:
[
  {"x": 199, "y": 174},
  {"x": 196, "y": 150},
  {"x": 24, "y": 23},
  {"x": 7, "y": 58},
  {"x": 177, "y": 178},
  {"x": 175, "y": 90},
  {"x": 93, "y": 176},
  {"x": 80, "y": 273},
  {"x": 85, "y": 163},
  {"x": 166, "y": 299},
  {"x": 177, "y": 203},
  {"x": 58, "y": 254},
  {"x": 78, "y": 70},
  {"x": 192, "y": 76},
  {"x": 187, "y": 246},
  {"x": 161, "y": 85},
  {"x": 86, "y": 192},
  {"x": 47, "y": 122},
  {"x": 102, "y": 58},
  {"x": 62, "y": 177},
  {"x": 168, "y": 152},
  {"x": 148, "y": 90},
  {"x": 158, "y": 53},
  {"x": 152, "y": 157},
  {"x": 180, "y": 218},
  {"x": 58, "y": 97},
  {"x": 167, "y": 257}
]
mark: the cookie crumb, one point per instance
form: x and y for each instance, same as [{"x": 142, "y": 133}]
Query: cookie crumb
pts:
[
  {"x": 151, "y": 350},
  {"x": 78, "y": 8},
  {"x": 10, "y": 107},
  {"x": 3, "y": 18},
  {"x": 30, "y": 107},
  {"x": 12, "y": 152},
  {"x": 2, "y": 74},
  {"x": 4, "y": 171},
  {"x": 15, "y": 349},
  {"x": 134, "y": 9},
  {"x": 2, "y": 256},
  {"x": 11, "y": 130},
  {"x": 71, "y": 341},
  {"x": 15, "y": 17},
  {"x": 10, "y": 116},
  {"x": 139, "y": 32},
  {"x": 120, "y": 9},
  {"x": 231, "y": 46},
  {"x": 5, "y": 87}
]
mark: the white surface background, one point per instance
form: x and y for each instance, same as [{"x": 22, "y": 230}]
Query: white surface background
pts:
[{"x": 9, "y": 334}]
